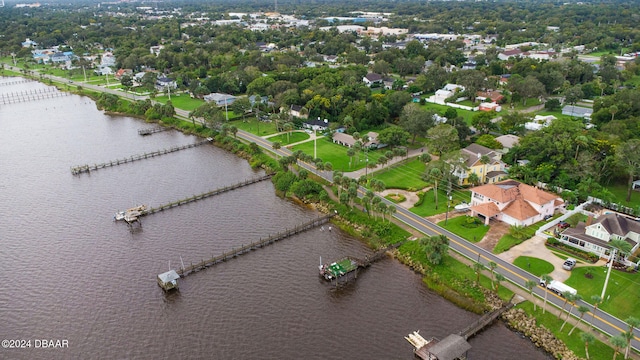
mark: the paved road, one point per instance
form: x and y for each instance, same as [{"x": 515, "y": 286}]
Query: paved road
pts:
[{"x": 603, "y": 321}]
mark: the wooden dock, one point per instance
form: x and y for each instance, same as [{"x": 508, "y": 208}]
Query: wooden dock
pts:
[
  {"x": 14, "y": 82},
  {"x": 149, "y": 131},
  {"x": 206, "y": 194},
  {"x": 361, "y": 264},
  {"x": 31, "y": 95},
  {"x": 205, "y": 263},
  {"x": 484, "y": 321},
  {"x": 80, "y": 169}
]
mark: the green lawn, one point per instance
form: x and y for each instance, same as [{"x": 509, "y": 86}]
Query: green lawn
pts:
[
  {"x": 337, "y": 155},
  {"x": 505, "y": 243},
  {"x": 622, "y": 288},
  {"x": 467, "y": 115},
  {"x": 405, "y": 175},
  {"x": 619, "y": 192},
  {"x": 597, "y": 350},
  {"x": 428, "y": 206},
  {"x": 460, "y": 227},
  {"x": 253, "y": 126},
  {"x": 184, "y": 102},
  {"x": 537, "y": 267},
  {"x": 293, "y": 137}
]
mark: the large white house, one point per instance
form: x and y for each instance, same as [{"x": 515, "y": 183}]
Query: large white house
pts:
[
  {"x": 512, "y": 202},
  {"x": 595, "y": 236}
]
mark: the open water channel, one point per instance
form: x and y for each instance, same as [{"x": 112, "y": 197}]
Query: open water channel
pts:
[{"x": 69, "y": 272}]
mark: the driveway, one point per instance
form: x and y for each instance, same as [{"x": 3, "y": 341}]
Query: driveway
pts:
[{"x": 534, "y": 247}]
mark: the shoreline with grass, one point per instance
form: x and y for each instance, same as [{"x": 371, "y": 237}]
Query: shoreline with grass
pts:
[{"x": 451, "y": 280}]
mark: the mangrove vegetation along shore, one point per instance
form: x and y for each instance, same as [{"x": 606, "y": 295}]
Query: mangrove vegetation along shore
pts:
[{"x": 451, "y": 279}]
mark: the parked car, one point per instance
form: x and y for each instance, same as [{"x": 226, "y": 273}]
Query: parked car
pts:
[
  {"x": 547, "y": 217},
  {"x": 569, "y": 264},
  {"x": 563, "y": 225}
]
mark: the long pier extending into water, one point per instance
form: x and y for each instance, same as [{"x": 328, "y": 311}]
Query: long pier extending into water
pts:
[
  {"x": 31, "y": 95},
  {"x": 133, "y": 215},
  {"x": 205, "y": 263},
  {"x": 80, "y": 169},
  {"x": 149, "y": 131},
  {"x": 206, "y": 195},
  {"x": 14, "y": 82}
]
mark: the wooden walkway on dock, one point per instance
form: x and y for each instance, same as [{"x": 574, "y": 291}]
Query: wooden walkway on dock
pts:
[
  {"x": 206, "y": 195},
  {"x": 31, "y": 95},
  {"x": 14, "y": 82},
  {"x": 252, "y": 246},
  {"x": 484, "y": 321},
  {"x": 149, "y": 131},
  {"x": 80, "y": 169}
]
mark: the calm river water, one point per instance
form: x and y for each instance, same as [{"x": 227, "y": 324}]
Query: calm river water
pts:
[{"x": 69, "y": 272}]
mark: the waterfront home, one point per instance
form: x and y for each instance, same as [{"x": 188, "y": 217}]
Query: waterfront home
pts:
[
  {"x": 513, "y": 202},
  {"x": 594, "y": 235}
]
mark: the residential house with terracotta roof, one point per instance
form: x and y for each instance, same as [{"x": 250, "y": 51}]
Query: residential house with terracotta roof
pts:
[
  {"x": 512, "y": 202},
  {"x": 594, "y": 236},
  {"x": 484, "y": 162}
]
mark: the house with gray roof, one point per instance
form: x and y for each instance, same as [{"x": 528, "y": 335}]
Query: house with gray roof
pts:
[
  {"x": 577, "y": 111},
  {"x": 594, "y": 236}
]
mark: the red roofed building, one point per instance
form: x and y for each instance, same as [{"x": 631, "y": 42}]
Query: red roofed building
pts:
[{"x": 512, "y": 202}]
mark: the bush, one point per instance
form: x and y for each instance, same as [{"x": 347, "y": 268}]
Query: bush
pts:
[
  {"x": 421, "y": 196},
  {"x": 552, "y": 241}
]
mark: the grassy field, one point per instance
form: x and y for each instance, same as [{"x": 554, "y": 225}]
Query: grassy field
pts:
[
  {"x": 619, "y": 192},
  {"x": 293, "y": 137},
  {"x": 440, "y": 109},
  {"x": 259, "y": 128},
  {"x": 459, "y": 226},
  {"x": 621, "y": 288},
  {"x": 337, "y": 155},
  {"x": 597, "y": 350},
  {"x": 428, "y": 206},
  {"x": 406, "y": 175},
  {"x": 184, "y": 102},
  {"x": 537, "y": 267},
  {"x": 505, "y": 243}
]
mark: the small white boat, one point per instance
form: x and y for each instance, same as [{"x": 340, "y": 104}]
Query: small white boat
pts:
[
  {"x": 120, "y": 215},
  {"x": 462, "y": 207}
]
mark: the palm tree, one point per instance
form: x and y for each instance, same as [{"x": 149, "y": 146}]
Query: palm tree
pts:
[
  {"x": 628, "y": 335},
  {"x": 492, "y": 266},
  {"x": 547, "y": 280},
  {"x": 587, "y": 338},
  {"x": 276, "y": 146},
  {"x": 583, "y": 310},
  {"x": 499, "y": 278},
  {"x": 618, "y": 343},
  {"x": 288, "y": 127},
  {"x": 435, "y": 174},
  {"x": 350, "y": 152},
  {"x": 613, "y": 109},
  {"x": 597, "y": 300},
  {"x": 478, "y": 267},
  {"x": 573, "y": 299},
  {"x": 391, "y": 210},
  {"x": 580, "y": 140},
  {"x": 617, "y": 245},
  {"x": 530, "y": 285}
]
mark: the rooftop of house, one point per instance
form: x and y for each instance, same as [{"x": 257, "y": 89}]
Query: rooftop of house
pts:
[
  {"x": 618, "y": 224},
  {"x": 509, "y": 190}
]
